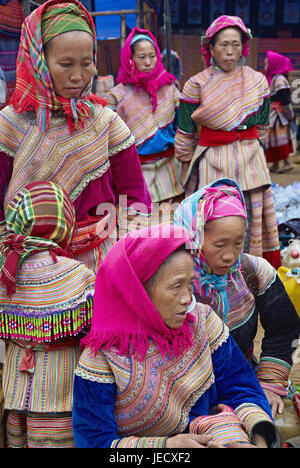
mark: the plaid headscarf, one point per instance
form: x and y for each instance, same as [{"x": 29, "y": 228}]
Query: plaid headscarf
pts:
[
  {"x": 41, "y": 217},
  {"x": 222, "y": 198},
  {"x": 34, "y": 86},
  {"x": 59, "y": 19},
  {"x": 217, "y": 25}
]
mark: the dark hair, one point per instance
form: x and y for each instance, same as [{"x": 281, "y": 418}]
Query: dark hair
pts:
[
  {"x": 151, "y": 282},
  {"x": 214, "y": 39}
]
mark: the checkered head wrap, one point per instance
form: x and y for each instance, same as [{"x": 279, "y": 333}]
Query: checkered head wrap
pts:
[
  {"x": 34, "y": 87},
  {"x": 217, "y": 25},
  {"x": 41, "y": 217},
  {"x": 59, "y": 19}
]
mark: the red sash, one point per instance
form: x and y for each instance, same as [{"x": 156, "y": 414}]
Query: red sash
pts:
[
  {"x": 156, "y": 156},
  {"x": 276, "y": 105},
  {"x": 209, "y": 137},
  {"x": 90, "y": 232}
]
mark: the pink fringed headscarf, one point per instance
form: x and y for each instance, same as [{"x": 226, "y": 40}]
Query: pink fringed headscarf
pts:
[
  {"x": 277, "y": 64},
  {"x": 150, "y": 82},
  {"x": 222, "y": 201},
  {"x": 223, "y": 22},
  {"x": 124, "y": 317}
]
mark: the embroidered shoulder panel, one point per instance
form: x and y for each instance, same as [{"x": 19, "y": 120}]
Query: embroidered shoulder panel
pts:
[
  {"x": 94, "y": 367},
  {"x": 72, "y": 161},
  {"x": 135, "y": 108}
]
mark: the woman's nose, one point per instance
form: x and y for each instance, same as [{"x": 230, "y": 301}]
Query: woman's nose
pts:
[
  {"x": 186, "y": 297},
  {"x": 228, "y": 256},
  {"x": 76, "y": 74}
]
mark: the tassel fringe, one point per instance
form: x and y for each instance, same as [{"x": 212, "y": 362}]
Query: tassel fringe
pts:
[
  {"x": 46, "y": 329},
  {"x": 137, "y": 344}
]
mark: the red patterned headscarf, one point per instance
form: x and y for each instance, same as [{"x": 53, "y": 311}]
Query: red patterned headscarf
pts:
[
  {"x": 41, "y": 217},
  {"x": 217, "y": 25},
  {"x": 34, "y": 86},
  {"x": 129, "y": 74}
]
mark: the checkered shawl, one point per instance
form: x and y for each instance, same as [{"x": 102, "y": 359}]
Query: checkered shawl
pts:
[
  {"x": 34, "y": 86},
  {"x": 41, "y": 217},
  {"x": 217, "y": 25},
  {"x": 58, "y": 19}
]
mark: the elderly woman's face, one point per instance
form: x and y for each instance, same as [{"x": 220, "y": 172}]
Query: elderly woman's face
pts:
[
  {"x": 223, "y": 242},
  {"x": 172, "y": 290},
  {"x": 227, "y": 49},
  {"x": 70, "y": 61}
]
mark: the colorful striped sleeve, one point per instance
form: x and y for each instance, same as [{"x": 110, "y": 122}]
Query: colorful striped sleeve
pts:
[
  {"x": 139, "y": 442},
  {"x": 273, "y": 375},
  {"x": 252, "y": 416}
]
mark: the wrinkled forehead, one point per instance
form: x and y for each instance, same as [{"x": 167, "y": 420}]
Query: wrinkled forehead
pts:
[
  {"x": 231, "y": 33},
  {"x": 228, "y": 226}
]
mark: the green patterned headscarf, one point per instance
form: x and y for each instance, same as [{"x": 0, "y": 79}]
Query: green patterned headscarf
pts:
[
  {"x": 34, "y": 85},
  {"x": 58, "y": 19}
]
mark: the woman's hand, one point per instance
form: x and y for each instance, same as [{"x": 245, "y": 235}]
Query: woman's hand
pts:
[
  {"x": 188, "y": 441},
  {"x": 275, "y": 401}
]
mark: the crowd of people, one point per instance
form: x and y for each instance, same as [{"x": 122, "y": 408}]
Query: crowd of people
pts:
[{"x": 144, "y": 338}]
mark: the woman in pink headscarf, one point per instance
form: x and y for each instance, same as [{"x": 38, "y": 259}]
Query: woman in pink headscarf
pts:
[
  {"x": 223, "y": 117},
  {"x": 147, "y": 99},
  {"x": 278, "y": 142},
  {"x": 155, "y": 362}
]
